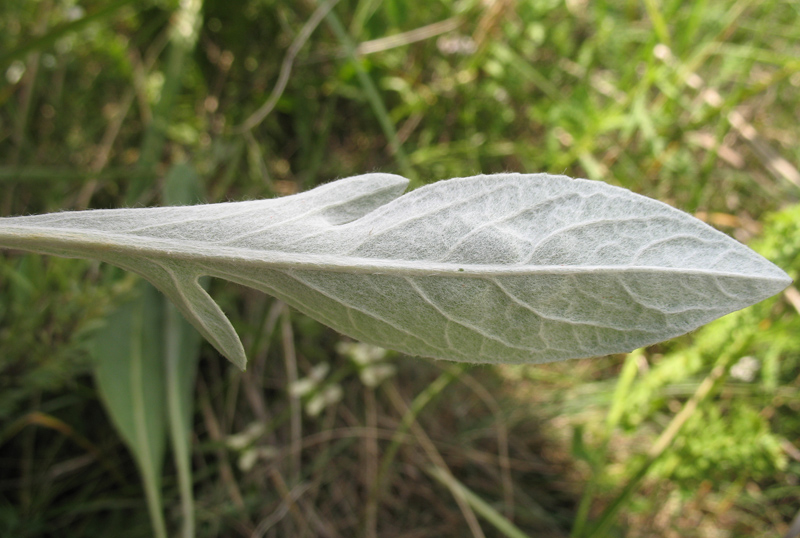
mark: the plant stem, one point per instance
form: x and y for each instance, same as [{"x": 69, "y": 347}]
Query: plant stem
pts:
[
  {"x": 178, "y": 428},
  {"x": 624, "y": 384},
  {"x": 286, "y": 67},
  {"x": 479, "y": 505},
  {"x": 422, "y": 399}
]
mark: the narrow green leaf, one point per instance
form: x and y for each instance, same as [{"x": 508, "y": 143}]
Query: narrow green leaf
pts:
[
  {"x": 181, "y": 354},
  {"x": 484, "y": 509},
  {"x": 130, "y": 379},
  {"x": 182, "y": 186},
  {"x": 579, "y": 449}
]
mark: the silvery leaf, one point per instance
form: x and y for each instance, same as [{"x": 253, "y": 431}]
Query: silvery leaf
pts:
[{"x": 495, "y": 268}]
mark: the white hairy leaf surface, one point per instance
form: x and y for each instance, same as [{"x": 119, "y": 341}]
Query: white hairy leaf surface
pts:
[{"x": 494, "y": 268}]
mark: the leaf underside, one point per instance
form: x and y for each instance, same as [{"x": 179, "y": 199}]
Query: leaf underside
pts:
[{"x": 495, "y": 268}]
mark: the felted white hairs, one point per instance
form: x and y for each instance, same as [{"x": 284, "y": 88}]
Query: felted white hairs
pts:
[{"x": 505, "y": 268}]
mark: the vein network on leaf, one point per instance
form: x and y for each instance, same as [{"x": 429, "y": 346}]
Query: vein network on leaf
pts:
[{"x": 491, "y": 268}]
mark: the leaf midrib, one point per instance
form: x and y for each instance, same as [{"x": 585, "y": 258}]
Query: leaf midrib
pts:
[{"x": 94, "y": 245}]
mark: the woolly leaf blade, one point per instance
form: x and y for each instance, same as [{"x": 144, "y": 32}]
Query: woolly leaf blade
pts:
[{"x": 503, "y": 268}]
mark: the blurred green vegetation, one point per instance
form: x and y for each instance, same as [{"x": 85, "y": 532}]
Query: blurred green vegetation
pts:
[{"x": 692, "y": 103}]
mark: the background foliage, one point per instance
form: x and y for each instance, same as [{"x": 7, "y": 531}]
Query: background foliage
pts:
[{"x": 693, "y": 103}]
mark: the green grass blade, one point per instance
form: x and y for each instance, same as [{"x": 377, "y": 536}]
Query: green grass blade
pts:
[
  {"x": 615, "y": 413},
  {"x": 373, "y": 96},
  {"x": 181, "y": 354},
  {"x": 709, "y": 385},
  {"x": 49, "y": 39},
  {"x": 186, "y": 24},
  {"x": 484, "y": 509},
  {"x": 420, "y": 401},
  {"x": 660, "y": 27},
  {"x": 130, "y": 381},
  {"x": 363, "y": 11}
]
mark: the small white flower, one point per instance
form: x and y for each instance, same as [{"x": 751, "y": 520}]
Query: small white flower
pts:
[
  {"x": 301, "y": 387},
  {"x": 327, "y": 396},
  {"x": 746, "y": 368},
  {"x": 319, "y": 372},
  {"x": 249, "y": 457},
  {"x": 361, "y": 354},
  {"x": 15, "y": 71},
  {"x": 247, "y": 460},
  {"x": 308, "y": 384},
  {"x": 246, "y": 437},
  {"x": 464, "y": 45},
  {"x": 74, "y": 13},
  {"x": 372, "y": 376}
]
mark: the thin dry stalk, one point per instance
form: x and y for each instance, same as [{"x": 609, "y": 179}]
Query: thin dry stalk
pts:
[
  {"x": 406, "y": 38},
  {"x": 136, "y": 91},
  {"x": 287, "y": 504},
  {"x": 793, "y": 296},
  {"x": 435, "y": 457},
  {"x": 286, "y": 67},
  {"x": 371, "y": 464},
  {"x": 296, "y": 422},
  {"x": 776, "y": 165},
  {"x": 503, "y": 460},
  {"x": 290, "y": 499},
  {"x": 215, "y": 434}
]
